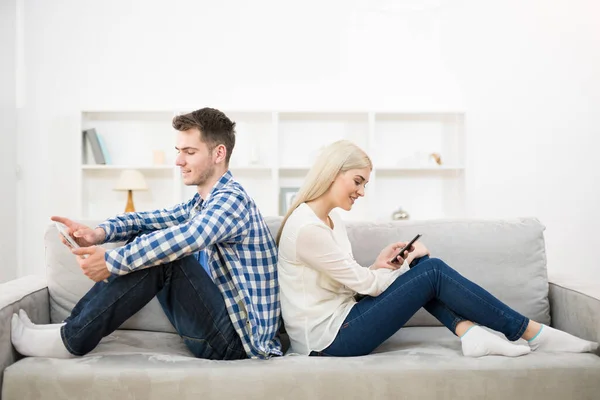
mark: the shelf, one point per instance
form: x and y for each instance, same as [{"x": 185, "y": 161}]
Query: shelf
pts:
[
  {"x": 161, "y": 116},
  {"x": 445, "y": 117},
  {"x": 292, "y": 169},
  {"x": 249, "y": 169},
  {"x": 275, "y": 149},
  {"x": 99, "y": 167},
  {"x": 322, "y": 116},
  {"x": 422, "y": 169}
]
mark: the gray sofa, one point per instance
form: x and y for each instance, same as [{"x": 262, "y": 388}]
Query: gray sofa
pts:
[{"x": 145, "y": 359}]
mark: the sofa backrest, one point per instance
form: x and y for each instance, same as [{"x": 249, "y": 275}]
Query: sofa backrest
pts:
[{"x": 506, "y": 257}]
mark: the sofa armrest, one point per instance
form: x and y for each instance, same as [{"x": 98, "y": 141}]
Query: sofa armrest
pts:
[
  {"x": 576, "y": 309},
  {"x": 29, "y": 293}
]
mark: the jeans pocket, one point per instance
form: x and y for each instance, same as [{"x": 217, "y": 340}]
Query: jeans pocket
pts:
[
  {"x": 201, "y": 348},
  {"x": 235, "y": 353},
  {"x": 320, "y": 354}
]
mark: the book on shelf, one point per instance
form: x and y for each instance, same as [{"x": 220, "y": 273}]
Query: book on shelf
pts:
[{"x": 94, "y": 142}]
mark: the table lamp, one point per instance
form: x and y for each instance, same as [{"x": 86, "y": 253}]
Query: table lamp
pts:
[{"x": 130, "y": 180}]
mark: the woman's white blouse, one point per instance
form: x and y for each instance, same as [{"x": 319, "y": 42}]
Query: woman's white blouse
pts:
[{"x": 319, "y": 278}]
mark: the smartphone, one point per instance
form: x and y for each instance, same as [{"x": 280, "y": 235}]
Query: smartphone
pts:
[{"x": 407, "y": 247}]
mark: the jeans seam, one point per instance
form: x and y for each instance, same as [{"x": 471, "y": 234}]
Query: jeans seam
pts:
[
  {"x": 476, "y": 296},
  {"x": 198, "y": 340},
  {"x": 204, "y": 305},
  {"x": 499, "y": 311},
  {"x": 233, "y": 347},
  {"x": 455, "y": 322},
  {"x": 66, "y": 343},
  {"x": 240, "y": 349},
  {"x": 457, "y": 319},
  {"x": 241, "y": 352},
  {"x": 521, "y": 330}
]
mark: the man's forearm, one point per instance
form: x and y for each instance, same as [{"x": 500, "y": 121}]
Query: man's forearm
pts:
[{"x": 125, "y": 226}]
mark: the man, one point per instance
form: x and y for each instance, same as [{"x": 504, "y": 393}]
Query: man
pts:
[{"x": 211, "y": 262}]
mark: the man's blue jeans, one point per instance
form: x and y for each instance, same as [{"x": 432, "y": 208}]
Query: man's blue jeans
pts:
[
  {"x": 190, "y": 299},
  {"x": 430, "y": 284}
]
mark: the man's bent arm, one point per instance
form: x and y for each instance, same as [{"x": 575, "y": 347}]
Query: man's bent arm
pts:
[{"x": 226, "y": 218}]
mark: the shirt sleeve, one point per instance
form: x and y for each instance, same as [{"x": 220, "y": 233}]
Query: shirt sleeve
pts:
[
  {"x": 224, "y": 219},
  {"x": 316, "y": 247},
  {"x": 124, "y": 226}
]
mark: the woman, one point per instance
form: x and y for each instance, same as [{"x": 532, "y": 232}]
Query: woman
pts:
[{"x": 319, "y": 280}]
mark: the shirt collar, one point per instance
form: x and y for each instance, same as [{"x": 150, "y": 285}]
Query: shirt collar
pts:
[{"x": 223, "y": 181}]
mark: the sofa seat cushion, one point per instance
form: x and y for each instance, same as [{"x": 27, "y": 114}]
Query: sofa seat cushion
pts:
[{"x": 417, "y": 363}]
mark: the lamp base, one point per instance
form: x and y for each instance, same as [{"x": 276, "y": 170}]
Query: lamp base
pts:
[{"x": 129, "y": 207}]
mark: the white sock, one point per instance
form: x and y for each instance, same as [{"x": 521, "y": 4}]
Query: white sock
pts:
[
  {"x": 549, "y": 339},
  {"x": 37, "y": 342},
  {"x": 477, "y": 342},
  {"x": 27, "y": 322}
]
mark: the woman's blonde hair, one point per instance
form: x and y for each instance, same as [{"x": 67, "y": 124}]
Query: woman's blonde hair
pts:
[{"x": 334, "y": 159}]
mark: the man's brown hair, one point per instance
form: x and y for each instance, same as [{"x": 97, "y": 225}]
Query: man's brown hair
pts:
[{"x": 214, "y": 126}]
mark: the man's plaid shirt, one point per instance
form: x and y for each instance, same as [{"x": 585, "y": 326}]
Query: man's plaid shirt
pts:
[{"x": 241, "y": 252}]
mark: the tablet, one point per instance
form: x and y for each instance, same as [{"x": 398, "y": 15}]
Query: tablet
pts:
[{"x": 64, "y": 231}]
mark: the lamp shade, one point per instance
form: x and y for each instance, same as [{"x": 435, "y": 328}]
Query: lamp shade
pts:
[{"x": 131, "y": 179}]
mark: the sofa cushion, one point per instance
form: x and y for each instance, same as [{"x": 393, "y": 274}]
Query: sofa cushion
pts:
[
  {"x": 507, "y": 257},
  {"x": 416, "y": 363}
]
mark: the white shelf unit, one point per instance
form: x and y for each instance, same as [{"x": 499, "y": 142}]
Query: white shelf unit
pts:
[{"x": 275, "y": 149}]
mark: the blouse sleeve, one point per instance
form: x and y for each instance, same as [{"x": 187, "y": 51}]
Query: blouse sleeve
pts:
[{"x": 316, "y": 247}]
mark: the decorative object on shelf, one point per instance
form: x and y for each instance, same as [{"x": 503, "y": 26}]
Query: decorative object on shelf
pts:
[
  {"x": 254, "y": 154},
  {"x": 436, "y": 157},
  {"x": 158, "y": 157},
  {"x": 400, "y": 215},
  {"x": 420, "y": 159},
  {"x": 286, "y": 198},
  {"x": 130, "y": 180},
  {"x": 98, "y": 148}
]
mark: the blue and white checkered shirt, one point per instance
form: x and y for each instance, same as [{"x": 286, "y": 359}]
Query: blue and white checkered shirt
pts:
[{"x": 229, "y": 227}]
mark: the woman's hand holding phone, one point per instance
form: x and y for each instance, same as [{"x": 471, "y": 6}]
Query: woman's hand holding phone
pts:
[
  {"x": 383, "y": 259},
  {"x": 403, "y": 252},
  {"x": 393, "y": 256},
  {"x": 419, "y": 250}
]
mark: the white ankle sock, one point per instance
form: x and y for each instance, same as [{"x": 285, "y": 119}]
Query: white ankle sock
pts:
[
  {"x": 27, "y": 322},
  {"x": 477, "y": 342},
  {"x": 549, "y": 339},
  {"x": 37, "y": 342}
]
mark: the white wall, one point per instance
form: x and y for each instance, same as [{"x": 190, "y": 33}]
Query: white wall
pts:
[
  {"x": 529, "y": 71},
  {"x": 8, "y": 140},
  {"x": 523, "y": 71}
]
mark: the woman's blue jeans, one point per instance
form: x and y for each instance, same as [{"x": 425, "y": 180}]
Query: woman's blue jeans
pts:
[{"x": 433, "y": 285}]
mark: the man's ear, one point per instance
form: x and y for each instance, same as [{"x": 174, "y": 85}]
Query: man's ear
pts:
[{"x": 220, "y": 153}]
